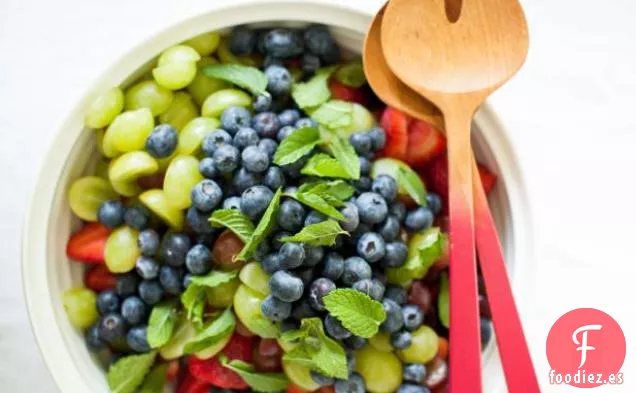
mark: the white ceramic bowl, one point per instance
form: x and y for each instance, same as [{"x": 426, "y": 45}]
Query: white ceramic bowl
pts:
[{"x": 47, "y": 272}]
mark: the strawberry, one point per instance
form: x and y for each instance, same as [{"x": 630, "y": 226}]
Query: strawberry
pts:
[
  {"x": 173, "y": 370},
  {"x": 87, "y": 244},
  {"x": 347, "y": 93},
  {"x": 211, "y": 370},
  {"x": 395, "y": 124},
  {"x": 437, "y": 176},
  {"x": 191, "y": 384},
  {"x": 488, "y": 179},
  {"x": 98, "y": 278},
  {"x": 425, "y": 142},
  {"x": 295, "y": 389}
]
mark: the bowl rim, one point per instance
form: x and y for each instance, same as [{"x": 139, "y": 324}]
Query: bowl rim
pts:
[{"x": 35, "y": 230}]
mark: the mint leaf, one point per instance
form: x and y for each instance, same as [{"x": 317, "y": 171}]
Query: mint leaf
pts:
[
  {"x": 260, "y": 382},
  {"x": 194, "y": 297},
  {"x": 214, "y": 332},
  {"x": 320, "y": 234},
  {"x": 235, "y": 221},
  {"x": 351, "y": 74},
  {"x": 298, "y": 144},
  {"x": 299, "y": 355},
  {"x": 156, "y": 380},
  {"x": 334, "y": 192},
  {"x": 411, "y": 182},
  {"x": 128, "y": 373},
  {"x": 249, "y": 78},
  {"x": 331, "y": 359},
  {"x": 425, "y": 248},
  {"x": 322, "y": 165},
  {"x": 347, "y": 156},
  {"x": 442, "y": 302},
  {"x": 317, "y": 203},
  {"x": 334, "y": 114},
  {"x": 315, "y": 91},
  {"x": 265, "y": 327},
  {"x": 356, "y": 311},
  {"x": 161, "y": 323},
  {"x": 213, "y": 279},
  {"x": 263, "y": 229}
]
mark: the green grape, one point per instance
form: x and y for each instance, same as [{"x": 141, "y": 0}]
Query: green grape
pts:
[
  {"x": 184, "y": 331},
  {"x": 148, "y": 94},
  {"x": 101, "y": 168},
  {"x": 222, "y": 295},
  {"x": 423, "y": 346},
  {"x": 182, "y": 175},
  {"x": 299, "y": 375},
  {"x": 179, "y": 54},
  {"x": 104, "y": 108},
  {"x": 215, "y": 348},
  {"x": 207, "y": 60},
  {"x": 87, "y": 194},
  {"x": 175, "y": 76},
  {"x": 80, "y": 305},
  {"x": 227, "y": 57},
  {"x": 164, "y": 163},
  {"x": 121, "y": 250},
  {"x": 362, "y": 120},
  {"x": 381, "y": 342},
  {"x": 206, "y": 43},
  {"x": 247, "y": 307},
  {"x": 382, "y": 371},
  {"x": 351, "y": 74},
  {"x": 106, "y": 144},
  {"x": 255, "y": 277},
  {"x": 389, "y": 166},
  {"x": 202, "y": 86},
  {"x": 180, "y": 112},
  {"x": 192, "y": 135},
  {"x": 126, "y": 169},
  {"x": 99, "y": 141},
  {"x": 158, "y": 203},
  {"x": 217, "y": 102},
  {"x": 129, "y": 131}
]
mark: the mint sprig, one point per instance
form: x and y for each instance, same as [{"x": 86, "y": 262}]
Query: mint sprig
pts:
[
  {"x": 155, "y": 380},
  {"x": 346, "y": 155},
  {"x": 298, "y": 144},
  {"x": 249, "y": 78},
  {"x": 263, "y": 229},
  {"x": 259, "y": 382},
  {"x": 324, "y": 197},
  {"x": 235, "y": 221},
  {"x": 411, "y": 182},
  {"x": 315, "y": 91},
  {"x": 194, "y": 297},
  {"x": 351, "y": 74},
  {"x": 443, "y": 302},
  {"x": 161, "y": 323},
  {"x": 213, "y": 333},
  {"x": 357, "y": 312},
  {"x": 334, "y": 114},
  {"x": 128, "y": 373},
  {"x": 322, "y": 165},
  {"x": 321, "y": 234}
]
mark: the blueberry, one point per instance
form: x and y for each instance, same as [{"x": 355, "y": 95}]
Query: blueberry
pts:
[
  {"x": 292, "y": 255},
  {"x": 365, "y": 166},
  {"x": 93, "y": 340},
  {"x": 331, "y": 56},
  {"x": 283, "y": 43},
  {"x": 285, "y": 286},
  {"x": 254, "y": 159},
  {"x": 351, "y": 362},
  {"x": 269, "y": 146},
  {"x": 107, "y": 302},
  {"x": 434, "y": 202},
  {"x": 245, "y": 137},
  {"x": 413, "y": 316},
  {"x": 396, "y": 293},
  {"x": 321, "y": 379},
  {"x": 309, "y": 63},
  {"x": 171, "y": 279},
  {"x": 363, "y": 184},
  {"x": 266, "y": 124},
  {"x": 242, "y": 41},
  {"x": 276, "y": 242},
  {"x": 485, "y": 329},
  {"x": 284, "y": 132},
  {"x": 380, "y": 276},
  {"x": 357, "y": 234},
  {"x": 378, "y": 138},
  {"x": 372, "y": 208},
  {"x": 398, "y": 210},
  {"x": 414, "y": 372},
  {"x": 401, "y": 339},
  {"x": 275, "y": 309},
  {"x": 127, "y": 284},
  {"x": 290, "y": 189},
  {"x": 412, "y": 388},
  {"x": 134, "y": 310},
  {"x": 261, "y": 251},
  {"x": 137, "y": 339},
  {"x": 305, "y": 122},
  {"x": 226, "y": 158},
  {"x": 355, "y": 384},
  {"x": 390, "y": 228},
  {"x": 150, "y": 291},
  {"x": 148, "y": 242},
  {"x": 147, "y": 267},
  {"x": 377, "y": 290},
  {"x": 288, "y": 117},
  {"x": 306, "y": 275},
  {"x": 234, "y": 118},
  {"x": 254, "y": 200},
  {"x": 386, "y": 186},
  {"x": 206, "y": 195},
  {"x": 314, "y": 217},
  {"x": 418, "y": 219},
  {"x": 371, "y": 247},
  {"x": 352, "y": 218},
  {"x": 137, "y": 217},
  {"x": 302, "y": 309},
  {"x": 288, "y": 325},
  {"x": 187, "y": 280},
  {"x": 313, "y": 255},
  {"x": 396, "y": 253},
  {"x": 318, "y": 40},
  {"x": 355, "y": 342},
  {"x": 318, "y": 290},
  {"x": 111, "y": 214},
  {"x": 279, "y": 80},
  {"x": 333, "y": 266},
  {"x": 274, "y": 178},
  {"x": 293, "y": 170},
  {"x": 262, "y": 102},
  {"x": 162, "y": 142},
  {"x": 272, "y": 263},
  {"x": 270, "y": 61},
  {"x": 371, "y": 287},
  {"x": 199, "y": 221},
  {"x": 394, "y": 320},
  {"x": 213, "y": 140},
  {"x": 112, "y": 327},
  {"x": 355, "y": 269},
  {"x": 360, "y": 142},
  {"x": 199, "y": 260},
  {"x": 244, "y": 179},
  {"x": 174, "y": 248},
  {"x": 232, "y": 203}
]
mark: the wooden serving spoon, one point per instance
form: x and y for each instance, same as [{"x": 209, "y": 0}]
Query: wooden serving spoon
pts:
[
  {"x": 456, "y": 65},
  {"x": 513, "y": 349}
]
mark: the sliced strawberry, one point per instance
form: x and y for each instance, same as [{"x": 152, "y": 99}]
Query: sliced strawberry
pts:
[
  {"x": 296, "y": 389},
  {"x": 437, "y": 176},
  {"x": 347, "y": 93},
  {"x": 327, "y": 389},
  {"x": 173, "y": 370},
  {"x": 190, "y": 384},
  {"x": 488, "y": 179},
  {"x": 396, "y": 125},
  {"x": 425, "y": 142},
  {"x": 98, "y": 278},
  {"x": 87, "y": 244}
]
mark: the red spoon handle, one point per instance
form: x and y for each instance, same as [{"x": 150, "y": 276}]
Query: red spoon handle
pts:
[
  {"x": 465, "y": 351},
  {"x": 513, "y": 349}
]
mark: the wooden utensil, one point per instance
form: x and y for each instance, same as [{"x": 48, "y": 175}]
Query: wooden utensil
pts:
[
  {"x": 456, "y": 65},
  {"x": 513, "y": 349}
]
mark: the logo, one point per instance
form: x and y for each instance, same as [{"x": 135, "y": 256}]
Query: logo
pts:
[{"x": 586, "y": 348}]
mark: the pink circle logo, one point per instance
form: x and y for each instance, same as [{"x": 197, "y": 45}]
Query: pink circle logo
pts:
[{"x": 586, "y": 348}]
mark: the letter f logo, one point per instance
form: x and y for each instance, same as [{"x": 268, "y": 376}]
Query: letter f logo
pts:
[{"x": 584, "y": 347}]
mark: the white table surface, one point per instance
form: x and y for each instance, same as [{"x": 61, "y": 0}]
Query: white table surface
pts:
[{"x": 570, "y": 111}]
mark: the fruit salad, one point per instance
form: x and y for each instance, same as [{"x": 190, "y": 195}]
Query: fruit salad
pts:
[{"x": 258, "y": 220}]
